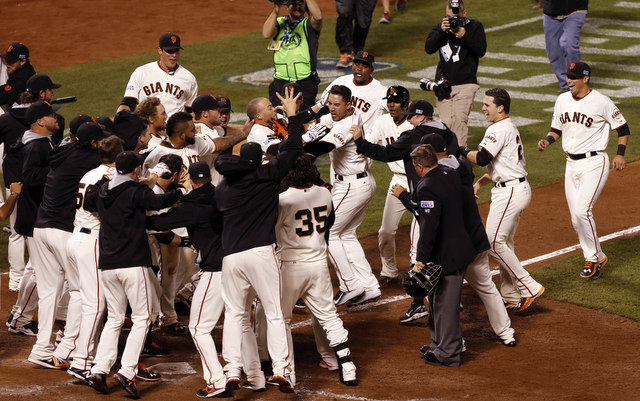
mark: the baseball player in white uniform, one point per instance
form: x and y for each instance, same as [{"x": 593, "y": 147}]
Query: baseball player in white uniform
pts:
[
  {"x": 165, "y": 79},
  {"x": 386, "y": 130},
  {"x": 207, "y": 122},
  {"x": 262, "y": 112},
  {"x": 502, "y": 152},
  {"x": 304, "y": 218},
  {"x": 367, "y": 93},
  {"x": 353, "y": 188},
  {"x": 582, "y": 117}
]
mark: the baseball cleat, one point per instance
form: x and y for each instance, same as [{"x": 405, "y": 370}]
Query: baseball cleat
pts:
[
  {"x": 342, "y": 297},
  {"x": 284, "y": 383},
  {"x": 329, "y": 365},
  {"x": 254, "y": 386},
  {"x": 99, "y": 382},
  {"x": 510, "y": 342},
  {"x": 386, "y": 18},
  {"x": 527, "y": 301},
  {"x": 128, "y": 384},
  {"x": 53, "y": 363},
  {"x": 510, "y": 305},
  {"x": 83, "y": 375},
  {"x": 345, "y": 61},
  {"x": 146, "y": 375},
  {"x": 175, "y": 328},
  {"x": 300, "y": 304},
  {"x": 9, "y": 320},
  {"x": 593, "y": 269},
  {"x": 29, "y": 329},
  {"x": 154, "y": 350},
  {"x": 348, "y": 374},
  {"x": 415, "y": 312},
  {"x": 233, "y": 384},
  {"x": 367, "y": 296},
  {"x": 386, "y": 281},
  {"x": 211, "y": 391}
]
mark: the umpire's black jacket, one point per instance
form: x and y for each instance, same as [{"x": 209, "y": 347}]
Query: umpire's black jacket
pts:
[{"x": 198, "y": 212}]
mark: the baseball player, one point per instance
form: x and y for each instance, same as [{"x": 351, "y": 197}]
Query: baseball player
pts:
[
  {"x": 165, "y": 79},
  {"x": 502, "y": 152},
  {"x": 353, "y": 188},
  {"x": 386, "y": 130},
  {"x": 367, "y": 93},
  {"x": 582, "y": 117},
  {"x": 155, "y": 114},
  {"x": 262, "y": 112},
  {"x": 305, "y": 214},
  {"x": 124, "y": 260},
  {"x": 82, "y": 249}
]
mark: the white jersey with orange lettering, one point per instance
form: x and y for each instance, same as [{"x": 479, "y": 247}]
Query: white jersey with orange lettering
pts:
[
  {"x": 212, "y": 133},
  {"x": 502, "y": 141},
  {"x": 345, "y": 159},
  {"x": 366, "y": 99},
  {"x": 264, "y": 136},
  {"x": 84, "y": 218},
  {"x": 191, "y": 153},
  {"x": 176, "y": 90}
]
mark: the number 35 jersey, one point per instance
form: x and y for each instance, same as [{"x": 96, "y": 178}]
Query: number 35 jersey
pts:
[
  {"x": 502, "y": 141},
  {"x": 303, "y": 215}
]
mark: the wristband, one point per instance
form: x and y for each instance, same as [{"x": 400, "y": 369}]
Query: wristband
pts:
[
  {"x": 464, "y": 151},
  {"x": 621, "y": 149},
  {"x": 18, "y": 195},
  {"x": 550, "y": 139}
]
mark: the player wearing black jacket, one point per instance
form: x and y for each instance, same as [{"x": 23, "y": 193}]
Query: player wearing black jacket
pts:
[{"x": 19, "y": 69}]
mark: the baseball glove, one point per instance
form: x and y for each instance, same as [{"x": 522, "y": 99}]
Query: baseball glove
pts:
[{"x": 423, "y": 283}]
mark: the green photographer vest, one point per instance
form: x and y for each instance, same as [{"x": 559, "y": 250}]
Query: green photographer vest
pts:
[{"x": 292, "y": 62}]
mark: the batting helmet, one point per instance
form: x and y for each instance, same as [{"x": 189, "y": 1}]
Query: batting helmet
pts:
[
  {"x": 398, "y": 94},
  {"x": 422, "y": 283}
]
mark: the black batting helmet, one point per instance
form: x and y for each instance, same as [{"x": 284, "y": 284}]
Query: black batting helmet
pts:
[
  {"x": 422, "y": 283},
  {"x": 398, "y": 94}
]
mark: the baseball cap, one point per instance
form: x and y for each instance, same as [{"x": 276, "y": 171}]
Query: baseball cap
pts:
[
  {"x": 169, "y": 41},
  {"x": 204, "y": 102},
  {"x": 578, "y": 70},
  {"x": 364, "y": 57},
  {"x": 16, "y": 51},
  {"x": 106, "y": 122},
  {"x": 199, "y": 170},
  {"x": 128, "y": 126},
  {"x": 38, "y": 110},
  {"x": 89, "y": 131},
  {"x": 127, "y": 161},
  {"x": 251, "y": 151},
  {"x": 297, "y": 88},
  {"x": 435, "y": 140},
  {"x": 77, "y": 121},
  {"x": 225, "y": 103},
  {"x": 420, "y": 107},
  {"x": 40, "y": 82}
]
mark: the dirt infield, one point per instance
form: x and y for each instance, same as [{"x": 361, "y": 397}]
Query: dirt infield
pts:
[{"x": 564, "y": 352}]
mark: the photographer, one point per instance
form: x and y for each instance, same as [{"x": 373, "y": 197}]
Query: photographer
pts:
[
  {"x": 294, "y": 41},
  {"x": 461, "y": 42}
]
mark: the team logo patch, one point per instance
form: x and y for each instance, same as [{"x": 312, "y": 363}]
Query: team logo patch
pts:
[
  {"x": 427, "y": 204},
  {"x": 572, "y": 65},
  {"x": 173, "y": 39},
  {"x": 490, "y": 138},
  {"x": 392, "y": 91},
  {"x": 616, "y": 114},
  {"x": 339, "y": 138},
  {"x": 365, "y": 54},
  {"x": 7, "y": 88},
  {"x": 130, "y": 87},
  {"x": 9, "y": 48}
]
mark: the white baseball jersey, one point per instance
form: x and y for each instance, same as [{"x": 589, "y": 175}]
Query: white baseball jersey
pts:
[
  {"x": 385, "y": 131},
  {"x": 189, "y": 154},
  {"x": 212, "y": 133},
  {"x": 176, "y": 90},
  {"x": 264, "y": 136},
  {"x": 585, "y": 122},
  {"x": 502, "y": 141},
  {"x": 345, "y": 159},
  {"x": 84, "y": 218},
  {"x": 302, "y": 224},
  {"x": 154, "y": 141},
  {"x": 367, "y": 99}
]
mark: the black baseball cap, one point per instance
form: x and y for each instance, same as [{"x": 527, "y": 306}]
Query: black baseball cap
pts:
[
  {"x": 40, "y": 109},
  {"x": 40, "y": 82},
  {"x": 364, "y": 57},
  {"x": 225, "y": 103},
  {"x": 252, "y": 152},
  {"x": 297, "y": 88},
  {"x": 128, "y": 126},
  {"x": 169, "y": 42},
  {"x": 106, "y": 122},
  {"x": 419, "y": 107},
  {"x": 435, "y": 140},
  {"x": 127, "y": 161},
  {"x": 89, "y": 131},
  {"x": 77, "y": 121},
  {"x": 578, "y": 70},
  {"x": 204, "y": 102},
  {"x": 199, "y": 170},
  {"x": 16, "y": 51}
]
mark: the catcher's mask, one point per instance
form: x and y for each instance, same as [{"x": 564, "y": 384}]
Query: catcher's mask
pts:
[{"x": 422, "y": 283}]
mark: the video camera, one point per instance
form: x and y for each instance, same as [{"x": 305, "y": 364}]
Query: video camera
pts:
[
  {"x": 441, "y": 88},
  {"x": 455, "y": 22}
]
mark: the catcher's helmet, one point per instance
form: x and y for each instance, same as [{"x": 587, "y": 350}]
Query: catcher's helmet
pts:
[
  {"x": 398, "y": 94},
  {"x": 423, "y": 283}
]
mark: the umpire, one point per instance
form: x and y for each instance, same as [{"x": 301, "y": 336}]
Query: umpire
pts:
[{"x": 295, "y": 48}]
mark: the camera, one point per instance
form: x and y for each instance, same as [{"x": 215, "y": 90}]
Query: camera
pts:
[
  {"x": 455, "y": 22},
  {"x": 281, "y": 2},
  {"x": 441, "y": 88}
]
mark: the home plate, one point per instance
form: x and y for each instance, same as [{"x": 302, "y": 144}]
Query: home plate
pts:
[{"x": 173, "y": 368}]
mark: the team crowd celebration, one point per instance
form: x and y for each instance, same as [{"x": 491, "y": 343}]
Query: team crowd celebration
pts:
[{"x": 167, "y": 203}]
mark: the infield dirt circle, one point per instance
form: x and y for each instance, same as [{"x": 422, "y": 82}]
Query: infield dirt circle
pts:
[{"x": 564, "y": 351}]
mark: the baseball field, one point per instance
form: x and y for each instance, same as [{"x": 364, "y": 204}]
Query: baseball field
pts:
[{"x": 579, "y": 341}]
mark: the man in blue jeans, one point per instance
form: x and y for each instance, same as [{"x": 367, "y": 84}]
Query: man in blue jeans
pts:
[{"x": 563, "y": 20}]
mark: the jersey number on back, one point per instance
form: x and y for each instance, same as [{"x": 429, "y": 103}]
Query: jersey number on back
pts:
[
  {"x": 305, "y": 215},
  {"x": 80, "y": 194}
]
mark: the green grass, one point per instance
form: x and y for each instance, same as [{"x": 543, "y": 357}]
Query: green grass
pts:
[{"x": 617, "y": 291}]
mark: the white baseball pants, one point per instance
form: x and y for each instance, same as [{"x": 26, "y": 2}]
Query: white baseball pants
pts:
[
  {"x": 391, "y": 215},
  {"x": 27, "y": 301},
  {"x": 15, "y": 252}
]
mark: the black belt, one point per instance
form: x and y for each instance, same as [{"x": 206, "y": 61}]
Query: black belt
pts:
[
  {"x": 359, "y": 175},
  {"x": 85, "y": 230},
  {"x": 581, "y": 155},
  {"x": 504, "y": 184}
]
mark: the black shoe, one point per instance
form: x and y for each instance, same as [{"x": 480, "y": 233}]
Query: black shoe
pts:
[
  {"x": 176, "y": 329},
  {"x": 83, "y": 375},
  {"x": 430, "y": 358},
  {"x": 99, "y": 383},
  {"x": 415, "y": 312},
  {"x": 128, "y": 385},
  {"x": 300, "y": 304},
  {"x": 154, "y": 350},
  {"x": 509, "y": 343},
  {"x": 386, "y": 281},
  {"x": 147, "y": 375}
]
